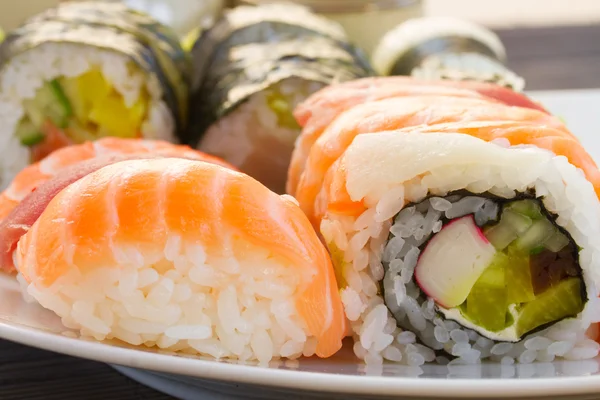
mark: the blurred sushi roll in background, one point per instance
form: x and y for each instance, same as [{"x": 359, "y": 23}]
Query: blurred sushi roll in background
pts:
[
  {"x": 445, "y": 48},
  {"x": 85, "y": 70},
  {"x": 460, "y": 228},
  {"x": 251, "y": 70}
]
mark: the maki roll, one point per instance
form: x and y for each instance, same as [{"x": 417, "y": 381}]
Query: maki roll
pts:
[
  {"x": 470, "y": 233},
  {"x": 251, "y": 69},
  {"x": 85, "y": 70},
  {"x": 445, "y": 48},
  {"x": 207, "y": 261}
]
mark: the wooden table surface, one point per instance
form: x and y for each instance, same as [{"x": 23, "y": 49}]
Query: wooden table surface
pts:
[{"x": 548, "y": 58}]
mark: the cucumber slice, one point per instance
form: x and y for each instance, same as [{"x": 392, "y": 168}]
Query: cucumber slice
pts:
[
  {"x": 500, "y": 235},
  {"x": 518, "y": 222},
  {"x": 528, "y": 208},
  {"x": 34, "y": 113},
  {"x": 556, "y": 242},
  {"x": 60, "y": 109},
  {"x": 49, "y": 102},
  {"x": 28, "y": 133},
  {"x": 535, "y": 236},
  {"x": 511, "y": 225}
]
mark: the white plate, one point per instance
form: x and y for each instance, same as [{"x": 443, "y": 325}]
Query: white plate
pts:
[{"x": 343, "y": 374}]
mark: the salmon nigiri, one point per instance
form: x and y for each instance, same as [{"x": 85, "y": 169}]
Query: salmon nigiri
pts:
[
  {"x": 23, "y": 201},
  {"x": 395, "y": 113},
  {"x": 35, "y": 174},
  {"x": 187, "y": 256},
  {"x": 319, "y": 110}
]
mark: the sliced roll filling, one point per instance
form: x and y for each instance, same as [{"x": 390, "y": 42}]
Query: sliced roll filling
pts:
[
  {"x": 503, "y": 268},
  {"x": 70, "y": 110}
]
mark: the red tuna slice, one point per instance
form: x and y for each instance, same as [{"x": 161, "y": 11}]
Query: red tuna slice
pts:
[{"x": 24, "y": 215}]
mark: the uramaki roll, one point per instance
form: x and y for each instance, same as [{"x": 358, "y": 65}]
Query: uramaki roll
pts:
[{"x": 449, "y": 246}]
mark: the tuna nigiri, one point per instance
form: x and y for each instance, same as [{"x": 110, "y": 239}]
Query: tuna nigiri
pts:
[
  {"x": 186, "y": 256},
  {"x": 319, "y": 110},
  {"x": 395, "y": 113}
]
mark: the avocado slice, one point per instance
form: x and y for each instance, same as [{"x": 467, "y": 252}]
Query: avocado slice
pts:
[
  {"x": 487, "y": 303},
  {"x": 558, "y": 302}
]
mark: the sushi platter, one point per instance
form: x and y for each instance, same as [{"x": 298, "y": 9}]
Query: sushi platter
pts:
[{"x": 261, "y": 206}]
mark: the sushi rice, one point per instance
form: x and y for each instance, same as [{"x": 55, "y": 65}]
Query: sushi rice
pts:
[
  {"x": 167, "y": 300},
  {"x": 27, "y": 72},
  {"x": 382, "y": 244}
]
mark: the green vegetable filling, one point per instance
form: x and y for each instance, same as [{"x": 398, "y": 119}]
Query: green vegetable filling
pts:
[
  {"x": 282, "y": 106},
  {"x": 533, "y": 279},
  {"x": 560, "y": 301},
  {"x": 337, "y": 259},
  {"x": 83, "y": 108}
]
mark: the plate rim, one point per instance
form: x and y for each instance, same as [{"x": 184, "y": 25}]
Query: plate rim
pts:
[{"x": 293, "y": 379}]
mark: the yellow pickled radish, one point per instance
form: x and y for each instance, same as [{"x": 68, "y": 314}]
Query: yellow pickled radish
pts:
[
  {"x": 137, "y": 113},
  {"x": 96, "y": 102},
  {"x": 111, "y": 114},
  {"x": 80, "y": 108},
  {"x": 93, "y": 87}
]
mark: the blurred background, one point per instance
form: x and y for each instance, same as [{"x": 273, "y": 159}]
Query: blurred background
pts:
[{"x": 553, "y": 44}]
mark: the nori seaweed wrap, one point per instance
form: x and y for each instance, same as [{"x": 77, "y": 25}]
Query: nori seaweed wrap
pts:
[
  {"x": 85, "y": 70},
  {"x": 250, "y": 71},
  {"x": 445, "y": 48}
]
